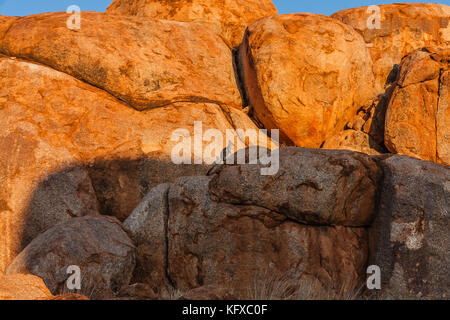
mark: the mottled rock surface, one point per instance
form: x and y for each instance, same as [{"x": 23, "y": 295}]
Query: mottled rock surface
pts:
[
  {"x": 23, "y": 287},
  {"x": 306, "y": 75},
  {"x": 418, "y": 115},
  {"x": 153, "y": 63},
  {"x": 148, "y": 225},
  {"x": 60, "y": 197},
  {"x": 311, "y": 187},
  {"x": 228, "y": 18},
  {"x": 353, "y": 140},
  {"x": 409, "y": 239},
  {"x": 91, "y": 120},
  {"x": 218, "y": 243},
  {"x": 196, "y": 232},
  {"x": 5, "y": 23},
  {"x": 98, "y": 246},
  {"x": 402, "y": 28}
]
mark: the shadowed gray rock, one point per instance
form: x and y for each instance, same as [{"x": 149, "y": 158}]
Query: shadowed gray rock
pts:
[
  {"x": 312, "y": 186},
  {"x": 148, "y": 225},
  {"x": 409, "y": 239},
  {"x": 187, "y": 239},
  {"x": 98, "y": 245}
]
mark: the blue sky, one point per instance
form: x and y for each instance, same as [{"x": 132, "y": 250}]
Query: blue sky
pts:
[{"x": 26, "y": 7}]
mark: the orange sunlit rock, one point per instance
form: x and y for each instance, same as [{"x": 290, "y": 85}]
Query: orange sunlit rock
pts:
[
  {"x": 418, "y": 116},
  {"x": 229, "y": 18},
  {"x": 306, "y": 75},
  {"x": 402, "y": 28}
]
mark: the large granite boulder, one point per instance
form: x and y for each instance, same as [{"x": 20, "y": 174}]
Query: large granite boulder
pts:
[
  {"x": 418, "y": 115},
  {"x": 153, "y": 63},
  {"x": 228, "y": 18},
  {"x": 68, "y": 149},
  {"x": 204, "y": 231},
  {"x": 98, "y": 246},
  {"x": 409, "y": 239},
  {"x": 306, "y": 75},
  {"x": 393, "y": 30},
  {"x": 311, "y": 186}
]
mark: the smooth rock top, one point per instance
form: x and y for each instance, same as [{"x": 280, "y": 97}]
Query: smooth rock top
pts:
[
  {"x": 229, "y": 18},
  {"x": 418, "y": 115},
  {"x": 402, "y": 28},
  {"x": 145, "y": 63},
  {"x": 306, "y": 75}
]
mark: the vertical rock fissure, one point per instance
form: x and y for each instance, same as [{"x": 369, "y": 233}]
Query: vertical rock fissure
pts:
[
  {"x": 166, "y": 234},
  {"x": 227, "y": 114},
  {"x": 441, "y": 72},
  {"x": 371, "y": 237},
  {"x": 238, "y": 73}
]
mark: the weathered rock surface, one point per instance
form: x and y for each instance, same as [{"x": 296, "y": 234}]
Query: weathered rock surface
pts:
[
  {"x": 59, "y": 198},
  {"x": 23, "y": 287},
  {"x": 33, "y": 196},
  {"x": 97, "y": 245},
  {"x": 5, "y": 23},
  {"x": 311, "y": 187},
  {"x": 231, "y": 227},
  {"x": 188, "y": 238},
  {"x": 371, "y": 118},
  {"x": 409, "y": 239},
  {"x": 402, "y": 29},
  {"x": 90, "y": 121},
  {"x": 152, "y": 64},
  {"x": 148, "y": 225},
  {"x": 67, "y": 148},
  {"x": 418, "y": 115},
  {"x": 228, "y": 18},
  {"x": 353, "y": 140},
  {"x": 306, "y": 75},
  {"x": 219, "y": 243}
]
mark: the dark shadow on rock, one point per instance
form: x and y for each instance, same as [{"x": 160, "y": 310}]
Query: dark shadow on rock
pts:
[
  {"x": 120, "y": 185},
  {"x": 377, "y": 127},
  {"x": 58, "y": 198},
  {"x": 393, "y": 75},
  {"x": 104, "y": 187}
]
